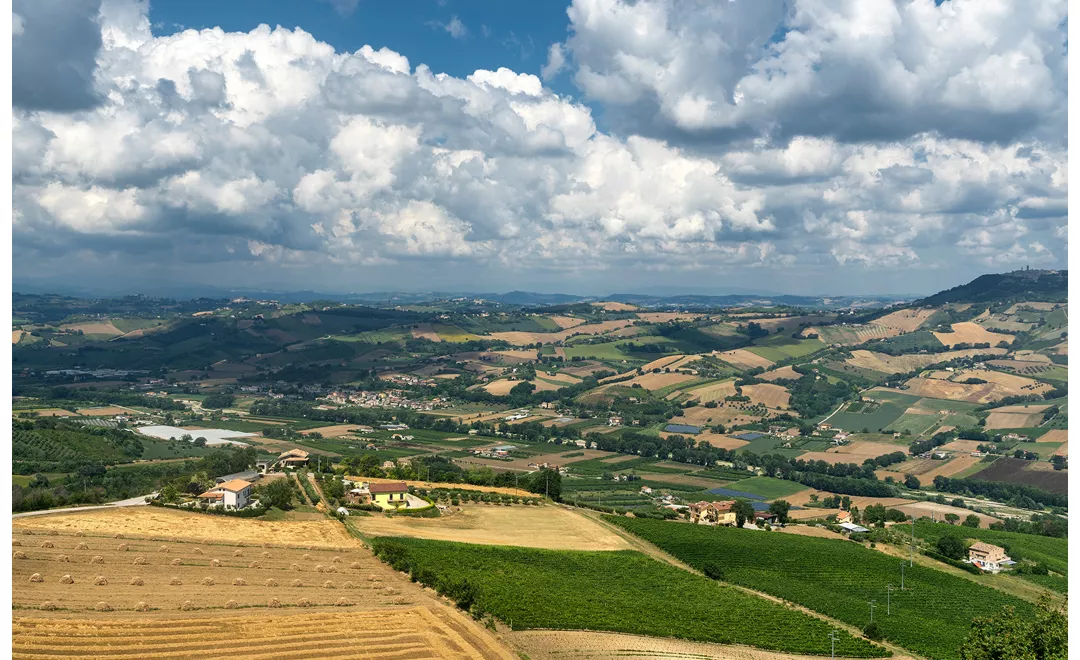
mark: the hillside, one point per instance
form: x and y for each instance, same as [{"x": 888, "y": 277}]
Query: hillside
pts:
[{"x": 1017, "y": 286}]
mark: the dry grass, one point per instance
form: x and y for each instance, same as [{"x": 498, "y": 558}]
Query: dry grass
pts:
[
  {"x": 335, "y": 431},
  {"x": 425, "y": 331},
  {"x": 17, "y": 335},
  {"x": 971, "y": 333},
  {"x": 998, "y": 386},
  {"x": 487, "y": 489},
  {"x": 713, "y": 392},
  {"x": 1011, "y": 420},
  {"x": 565, "y": 322},
  {"x": 519, "y": 355},
  {"x": 772, "y": 396},
  {"x": 651, "y": 381},
  {"x": 664, "y": 317},
  {"x": 807, "y": 530},
  {"x": 615, "y": 306},
  {"x": 1043, "y": 306},
  {"x": 563, "y": 644},
  {"x": 1055, "y": 435},
  {"x": 741, "y": 357},
  {"x": 519, "y": 338},
  {"x": 785, "y": 373},
  {"x": 551, "y": 527},
  {"x": 951, "y": 467},
  {"x": 850, "y": 335},
  {"x": 99, "y": 328},
  {"x": 962, "y": 445},
  {"x": 856, "y": 452},
  {"x": 898, "y": 364},
  {"x": 904, "y": 320},
  {"x": 50, "y": 412},
  {"x": 721, "y": 441},
  {"x": 106, "y": 411}
]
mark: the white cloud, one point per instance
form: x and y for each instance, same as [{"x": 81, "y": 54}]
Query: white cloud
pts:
[{"x": 556, "y": 62}]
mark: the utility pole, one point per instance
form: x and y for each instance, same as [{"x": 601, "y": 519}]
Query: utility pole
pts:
[
  {"x": 832, "y": 636},
  {"x": 901, "y": 576},
  {"x": 911, "y": 561},
  {"x": 888, "y": 600},
  {"x": 872, "y": 603}
]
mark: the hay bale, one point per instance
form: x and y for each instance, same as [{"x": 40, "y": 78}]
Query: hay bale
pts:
[
  {"x": 238, "y": 553},
  {"x": 141, "y": 606},
  {"x": 349, "y": 585},
  {"x": 48, "y": 605},
  {"x": 177, "y": 562},
  {"x": 47, "y": 544},
  {"x": 329, "y": 584},
  {"x": 266, "y": 555},
  {"x": 297, "y": 583},
  {"x": 187, "y": 606},
  {"x": 118, "y": 535},
  {"x": 18, "y": 554},
  {"x": 356, "y": 565},
  {"x": 80, "y": 533},
  {"x": 139, "y": 561},
  {"x": 303, "y": 602},
  {"x": 63, "y": 558},
  {"x": 163, "y": 548},
  {"x": 319, "y": 568},
  {"x": 342, "y": 602},
  {"x": 273, "y": 602},
  {"x": 28, "y": 532},
  {"x": 67, "y": 579},
  {"x": 100, "y": 581},
  {"x": 254, "y": 564},
  {"x": 97, "y": 559},
  {"x": 239, "y": 582},
  {"x": 82, "y": 546},
  {"x": 175, "y": 582},
  {"x": 122, "y": 547},
  {"x": 198, "y": 551},
  {"x": 36, "y": 577},
  {"x": 231, "y": 605},
  {"x": 294, "y": 567},
  {"x": 306, "y": 557},
  {"x": 52, "y": 532},
  {"x": 102, "y": 606},
  {"x": 15, "y": 543},
  {"x": 335, "y": 560},
  {"x": 207, "y": 582},
  {"x": 374, "y": 578},
  {"x": 136, "y": 581},
  {"x": 331, "y": 569},
  {"x": 215, "y": 562}
]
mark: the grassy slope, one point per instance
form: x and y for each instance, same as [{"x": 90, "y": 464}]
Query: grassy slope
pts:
[
  {"x": 1051, "y": 551},
  {"x": 623, "y": 591},
  {"x": 768, "y": 487},
  {"x": 837, "y": 578}
]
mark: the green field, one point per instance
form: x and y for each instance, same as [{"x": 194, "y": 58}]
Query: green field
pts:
[
  {"x": 768, "y": 444},
  {"x": 917, "y": 424},
  {"x": 837, "y": 578},
  {"x": 768, "y": 487},
  {"x": 1051, "y": 551},
  {"x": 23, "y": 480},
  {"x": 574, "y": 590},
  {"x": 781, "y": 347},
  {"x": 158, "y": 449},
  {"x": 880, "y": 418},
  {"x": 1053, "y": 582}
]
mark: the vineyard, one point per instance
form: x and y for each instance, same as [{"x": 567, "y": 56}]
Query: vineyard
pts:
[
  {"x": 1051, "y": 551},
  {"x": 63, "y": 450},
  {"x": 931, "y": 616},
  {"x": 575, "y": 590}
]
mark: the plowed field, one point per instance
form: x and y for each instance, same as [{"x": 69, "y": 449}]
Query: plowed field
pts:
[{"x": 773, "y": 396}]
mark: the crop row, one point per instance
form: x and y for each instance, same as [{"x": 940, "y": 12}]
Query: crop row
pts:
[
  {"x": 931, "y": 615},
  {"x": 621, "y": 591},
  {"x": 1053, "y": 552}
]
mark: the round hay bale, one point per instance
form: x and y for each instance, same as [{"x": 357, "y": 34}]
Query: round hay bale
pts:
[
  {"x": 198, "y": 551},
  {"x": 238, "y": 553},
  {"x": 175, "y": 582},
  {"x": 239, "y": 582},
  {"x": 18, "y": 554},
  {"x": 303, "y": 602},
  {"x": 356, "y": 565},
  {"x": 267, "y": 544},
  {"x": 102, "y": 606},
  {"x": 97, "y": 559},
  {"x": 273, "y": 602},
  {"x": 52, "y": 532},
  {"x": 349, "y": 585},
  {"x": 16, "y": 543},
  {"x": 63, "y": 558},
  {"x": 270, "y": 583},
  {"x": 28, "y": 532},
  {"x": 141, "y": 606},
  {"x": 207, "y": 582},
  {"x": 36, "y": 577},
  {"x": 48, "y": 605},
  {"x": 231, "y": 604},
  {"x": 215, "y": 562},
  {"x": 390, "y": 591},
  {"x": 122, "y": 547},
  {"x": 331, "y": 569},
  {"x": 329, "y": 584},
  {"x": 254, "y": 564},
  {"x": 163, "y": 548},
  {"x": 82, "y": 546},
  {"x": 80, "y": 533},
  {"x": 177, "y": 562},
  {"x": 305, "y": 557},
  {"x": 100, "y": 581},
  {"x": 47, "y": 544},
  {"x": 319, "y": 568},
  {"x": 297, "y": 583},
  {"x": 294, "y": 567},
  {"x": 374, "y": 578},
  {"x": 266, "y": 555},
  {"x": 67, "y": 579},
  {"x": 139, "y": 561},
  {"x": 187, "y": 606},
  {"x": 335, "y": 560},
  {"x": 136, "y": 581},
  {"x": 342, "y": 602},
  {"x": 118, "y": 535}
]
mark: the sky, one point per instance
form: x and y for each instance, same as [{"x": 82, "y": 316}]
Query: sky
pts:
[{"x": 597, "y": 146}]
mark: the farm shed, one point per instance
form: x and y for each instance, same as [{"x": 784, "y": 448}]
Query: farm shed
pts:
[
  {"x": 852, "y": 528},
  {"x": 250, "y": 475}
]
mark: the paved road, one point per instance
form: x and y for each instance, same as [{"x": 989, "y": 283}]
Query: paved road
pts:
[{"x": 134, "y": 501}]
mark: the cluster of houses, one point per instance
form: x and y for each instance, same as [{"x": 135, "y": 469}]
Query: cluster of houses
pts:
[
  {"x": 390, "y": 496},
  {"x": 386, "y": 399},
  {"x": 499, "y": 451},
  {"x": 721, "y": 513}
]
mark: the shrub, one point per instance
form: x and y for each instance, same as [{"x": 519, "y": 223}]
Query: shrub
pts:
[{"x": 872, "y": 631}]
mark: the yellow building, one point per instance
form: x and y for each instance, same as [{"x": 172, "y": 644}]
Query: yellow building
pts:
[{"x": 391, "y": 495}]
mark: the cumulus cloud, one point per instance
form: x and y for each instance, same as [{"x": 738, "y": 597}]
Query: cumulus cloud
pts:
[
  {"x": 271, "y": 149},
  {"x": 54, "y": 49},
  {"x": 454, "y": 27}
]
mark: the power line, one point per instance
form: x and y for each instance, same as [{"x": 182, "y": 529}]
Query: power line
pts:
[{"x": 872, "y": 604}]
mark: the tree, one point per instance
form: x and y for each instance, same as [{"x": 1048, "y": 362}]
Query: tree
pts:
[
  {"x": 277, "y": 493},
  {"x": 780, "y": 508},
  {"x": 971, "y": 521},
  {"x": 1009, "y": 635},
  {"x": 951, "y": 546},
  {"x": 952, "y": 518},
  {"x": 743, "y": 511},
  {"x": 958, "y": 503},
  {"x": 39, "y": 481},
  {"x": 199, "y": 442},
  {"x": 911, "y": 481},
  {"x": 713, "y": 570},
  {"x": 872, "y": 632}
]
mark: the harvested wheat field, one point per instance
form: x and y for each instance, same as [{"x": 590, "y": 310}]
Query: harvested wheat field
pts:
[
  {"x": 527, "y": 356},
  {"x": 615, "y": 306},
  {"x": 17, "y": 335},
  {"x": 108, "y": 410},
  {"x": 565, "y": 322},
  {"x": 1063, "y": 450},
  {"x": 563, "y": 644},
  {"x": 432, "y": 631},
  {"x": 783, "y": 373},
  {"x": 166, "y": 524},
  {"x": 99, "y": 328},
  {"x": 962, "y": 445},
  {"x": 949, "y": 468},
  {"x": 850, "y": 335},
  {"x": 664, "y": 317},
  {"x": 998, "y": 386},
  {"x": 1013, "y": 383},
  {"x": 971, "y": 333},
  {"x": 550, "y": 527},
  {"x": 652, "y": 381},
  {"x": 741, "y": 357},
  {"x": 521, "y": 338},
  {"x": 712, "y": 392},
  {"x": 487, "y": 489},
  {"x": 335, "y": 431},
  {"x": 49, "y": 412},
  {"x": 807, "y": 530},
  {"x": 899, "y": 364},
  {"x": 720, "y": 441},
  {"x": 904, "y": 320},
  {"x": 425, "y": 331},
  {"x": 501, "y": 387},
  {"x": 668, "y": 361},
  {"x": 772, "y": 396},
  {"x": 1055, "y": 435},
  {"x": 1012, "y": 420},
  {"x": 856, "y": 452}
]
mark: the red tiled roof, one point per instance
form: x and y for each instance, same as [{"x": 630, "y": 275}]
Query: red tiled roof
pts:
[{"x": 399, "y": 487}]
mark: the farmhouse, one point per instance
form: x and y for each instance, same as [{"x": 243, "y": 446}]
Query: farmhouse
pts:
[
  {"x": 713, "y": 513},
  {"x": 293, "y": 458},
  {"x": 231, "y": 494},
  {"x": 390, "y": 495},
  {"x": 988, "y": 557}
]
